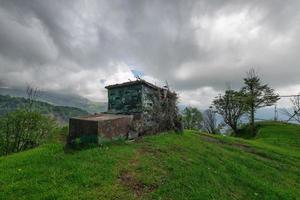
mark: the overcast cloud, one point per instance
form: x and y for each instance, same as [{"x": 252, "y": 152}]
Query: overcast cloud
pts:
[{"x": 200, "y": 47}]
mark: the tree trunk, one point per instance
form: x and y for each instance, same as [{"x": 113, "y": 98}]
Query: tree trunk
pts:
[
  {"x": 252, "y": 105},
  {"x": 234, "y": 128},
  {"x": 234, "y": 131},
  {"x": 252, "y": 126}
]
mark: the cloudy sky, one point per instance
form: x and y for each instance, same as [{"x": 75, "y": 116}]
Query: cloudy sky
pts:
[{"x": 200, "y": 47}]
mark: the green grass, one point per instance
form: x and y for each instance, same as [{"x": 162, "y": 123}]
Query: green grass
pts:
[
  {"x": 166, "y": 166},
  {"x": 280, "y": 134}
]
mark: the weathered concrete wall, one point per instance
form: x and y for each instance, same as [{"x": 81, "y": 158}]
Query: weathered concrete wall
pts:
[
  {"x": 99, "y": 128},
  {"x": 138, "y": 100},
  {"x": 84, "y": 130},
  {"x": 131, "y": 99},
  {"x": 149, "y": 98},
  {"x": 114, "y": 129},
  {"x": 125, "y": 100}
]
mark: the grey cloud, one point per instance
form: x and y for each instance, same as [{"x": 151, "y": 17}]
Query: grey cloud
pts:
[{"x": 43, "y": 40}]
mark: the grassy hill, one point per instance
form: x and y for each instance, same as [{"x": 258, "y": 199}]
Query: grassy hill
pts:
[
  {"x": 61, "y": 113},
  {"x": 165, "y": 166}
]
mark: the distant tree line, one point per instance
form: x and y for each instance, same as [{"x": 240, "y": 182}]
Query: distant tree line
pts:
[
  {"x": 234, "y": 104},
  {"x": 194, "y": 119}
]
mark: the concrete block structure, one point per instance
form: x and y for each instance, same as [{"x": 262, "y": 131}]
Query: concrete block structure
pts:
[
  {"x": 99, "y": 128},
  {"x": 135, "y": 97},
  {"x": 126, "y": 102}
]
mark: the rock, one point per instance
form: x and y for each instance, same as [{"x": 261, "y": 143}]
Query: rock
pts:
[{"x": 132, "y": 135}]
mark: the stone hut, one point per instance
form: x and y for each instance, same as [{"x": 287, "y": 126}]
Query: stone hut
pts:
[
  {"x": 131, "y": 97},
  {"x": 128, "y": 103}
]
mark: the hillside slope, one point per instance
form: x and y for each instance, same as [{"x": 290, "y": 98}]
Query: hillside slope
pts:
[
  {"x": 166, "y": 166},
  {"x": 60, "y": 113},
  {"x": 279, "y": 134},
  {"x": 59, "y": 99}
]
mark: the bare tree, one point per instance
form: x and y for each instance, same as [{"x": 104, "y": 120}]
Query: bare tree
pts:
[
  {"x": 210, "y": 121},
  {"x": 192, "y": 118},
  {"x": 32, "y": 95},
  {"x": 161, "y": 114},
  {"x": 295, "y": 113}
]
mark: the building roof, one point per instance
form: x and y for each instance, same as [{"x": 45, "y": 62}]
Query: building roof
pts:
[
  {"x": 102, "y": 117},
  {"x": 130, "y": 83}
]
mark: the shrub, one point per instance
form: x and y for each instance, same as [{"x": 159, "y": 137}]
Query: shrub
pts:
[
  {"x": 164, "y": 114},
  {"x": 24, "y": 129}
]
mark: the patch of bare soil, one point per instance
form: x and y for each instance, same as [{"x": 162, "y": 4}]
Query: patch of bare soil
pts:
[
  {"x": 149, "y": 150},
  {"x": 128, "y": 178}
]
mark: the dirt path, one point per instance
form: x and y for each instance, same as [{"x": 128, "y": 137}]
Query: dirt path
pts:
[
  {"x": 242, "y": 147},
  {"x": 129, "y": 177}
]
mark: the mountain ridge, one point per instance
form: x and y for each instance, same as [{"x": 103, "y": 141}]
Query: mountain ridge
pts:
[
  {"x": 59, "y": 113},
  {"x": 58, "y": 99}
]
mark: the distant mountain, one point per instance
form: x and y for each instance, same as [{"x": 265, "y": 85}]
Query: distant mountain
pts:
[
  {"x": 268, "y": 113},
  {"x": 59, "y": 99},
  {"x": 60, "y": 113},
  {"x": 263, "y": 114}
]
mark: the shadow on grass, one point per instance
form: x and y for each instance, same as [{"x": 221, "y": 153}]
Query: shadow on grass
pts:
[
  {"x": 245, "y": 132},
  {"x": 86, "y": 145}
]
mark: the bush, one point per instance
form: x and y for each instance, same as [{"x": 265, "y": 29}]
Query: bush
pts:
[
  {"x": 164, "y": 113},
  {"x": 24, "y": 129}
]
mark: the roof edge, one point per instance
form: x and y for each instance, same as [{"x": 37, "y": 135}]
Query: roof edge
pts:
[{"x": 136, "y": 82}]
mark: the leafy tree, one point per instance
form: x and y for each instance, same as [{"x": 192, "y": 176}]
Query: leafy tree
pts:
[
  {"x": 210, "y": 121},
  {"x": 231, "y": 107},
  {"x": 192, "y": 118},
  {"x": 257, "y": 95}
]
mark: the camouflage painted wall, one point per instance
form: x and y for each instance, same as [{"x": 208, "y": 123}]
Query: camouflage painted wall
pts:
[
  {"x": 138, "y": 100},
  {"x": 130, "y": 99},
  {"x": 148, "y": 99}
]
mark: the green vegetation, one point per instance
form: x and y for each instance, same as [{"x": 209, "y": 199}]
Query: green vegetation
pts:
[
  {"x": 210, "y": 124},
  {"x": 60, "y": 113},
  {"x": 24, "y": 129},
  {"x": 231, "y": 107},
  {"x": 282, "y": 135},
  {"x": 165, "y": 166},
  {"x": 258, "y": 95},
  {"x": 192, "y": 118},
  {"x": 251, "y": 97}
]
